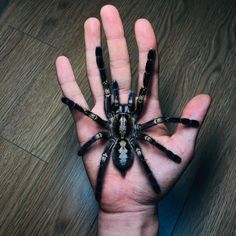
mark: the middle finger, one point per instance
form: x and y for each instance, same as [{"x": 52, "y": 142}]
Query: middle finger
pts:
[{"x": 117, "y": 47}]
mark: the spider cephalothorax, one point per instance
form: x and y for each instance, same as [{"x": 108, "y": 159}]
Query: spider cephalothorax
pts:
[{"x": 121, "y": 129}]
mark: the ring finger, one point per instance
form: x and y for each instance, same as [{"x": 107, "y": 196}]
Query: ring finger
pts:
[{"x": 146, "y": 39}]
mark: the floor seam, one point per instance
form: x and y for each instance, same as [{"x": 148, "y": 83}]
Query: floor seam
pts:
[
  {"x": 31, "y": 36},
  {"x": 23, "y": 149}
]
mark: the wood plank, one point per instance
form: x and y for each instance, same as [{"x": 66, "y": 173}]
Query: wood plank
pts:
[
  {"x": 31, "y": 112},
  {"x": 199, "y": 69},
  {"x": 210, "y": 209},
  {"x": 62, "y": 202},
  {"x": 20, "y": 62},
  {"x": 19, "y": 171},
  {"x": 195, "y": 40}
]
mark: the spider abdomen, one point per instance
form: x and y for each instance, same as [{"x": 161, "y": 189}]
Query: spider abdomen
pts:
[{"x": 122, "y": 156}]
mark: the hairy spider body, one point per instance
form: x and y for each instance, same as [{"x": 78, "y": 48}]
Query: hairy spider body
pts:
[{"x": 122, "y": 129}]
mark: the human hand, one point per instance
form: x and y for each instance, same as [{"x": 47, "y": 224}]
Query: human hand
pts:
[{"x": 132, "y": 194}]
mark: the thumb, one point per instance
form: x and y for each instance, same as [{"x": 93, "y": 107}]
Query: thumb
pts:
[{"x": 196, "y": 109}]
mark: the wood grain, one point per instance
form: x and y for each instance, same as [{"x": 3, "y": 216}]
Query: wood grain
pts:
[
  {"x": 61, "y": 202},
  {"x": 30, "y": 107},
  {"x": 197, "y": 55},
  {"x": 18, "y": 175}
]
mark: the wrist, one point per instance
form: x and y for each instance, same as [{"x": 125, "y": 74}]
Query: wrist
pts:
[{"x": 128, "y": 223}]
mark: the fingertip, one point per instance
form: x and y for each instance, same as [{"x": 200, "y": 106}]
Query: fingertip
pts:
[
  {"x": 92, "y": 24},
  {"x": 61, "y": 59},
  {"x": 145, "y": 35},
  {"x": 203, "y": 97},
  {"x": 142, "y": 22},
  {"x": 107, "y": 9},
  {"x": 63, "y": 68},
  {"x": 91, "y": 20},
  {"x": 207, "y": 98},
  {"x": 197, "y": 107},
  {"x": 92, "y": 34},
  {"x": 112, "y": 23}
]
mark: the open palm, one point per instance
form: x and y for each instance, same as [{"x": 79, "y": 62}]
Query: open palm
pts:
[{"x": 132, "y": 192}]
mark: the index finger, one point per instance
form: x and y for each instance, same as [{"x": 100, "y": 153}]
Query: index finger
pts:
[{"x": 67, "y": 82}]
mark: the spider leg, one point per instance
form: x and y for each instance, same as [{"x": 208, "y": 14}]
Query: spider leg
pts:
[
  {"x": 149, "y": 70},
  {"x": 72, "y": 105},
  {"x": 105, "y": 83},
  {"x": 131, "y": 101},
  {"x": 137, "y": 149},
  {"x": 101, "y": 171},
  {"x": 92, "y": 140},
  {"x": 116, "y": 97},
  {"x": 170, "y": 154},
  {"x": 184, "y": 121}
]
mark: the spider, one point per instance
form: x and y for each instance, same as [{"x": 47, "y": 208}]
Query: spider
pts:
[{"x": 121, "y": 129}]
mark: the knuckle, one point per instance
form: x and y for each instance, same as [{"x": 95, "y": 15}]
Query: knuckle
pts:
[{"x": 119, "y": 63}]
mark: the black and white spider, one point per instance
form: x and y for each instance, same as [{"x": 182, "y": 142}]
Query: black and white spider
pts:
[{"x": 122, "y": 129}]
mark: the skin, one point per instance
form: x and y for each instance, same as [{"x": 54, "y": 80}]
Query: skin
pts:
[{"x": 129, "y": 202}]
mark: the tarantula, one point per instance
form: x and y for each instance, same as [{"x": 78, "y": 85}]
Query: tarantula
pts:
[{"x": 122, "y": 129}]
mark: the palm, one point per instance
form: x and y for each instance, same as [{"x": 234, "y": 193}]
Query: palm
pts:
[
  {"x": 134, "y": 188},
  {"x": 119, "y": 193}
]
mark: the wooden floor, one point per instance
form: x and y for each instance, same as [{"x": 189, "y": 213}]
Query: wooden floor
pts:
[{"x": 44, "y": 189}]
